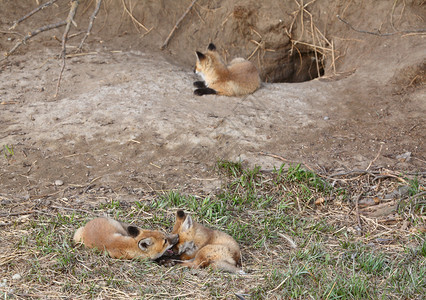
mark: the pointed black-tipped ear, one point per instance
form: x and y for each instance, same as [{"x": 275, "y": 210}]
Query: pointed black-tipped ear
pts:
[
  {"x": 200, "y": 55},
  {"x": 180, "y": 214},
  {"x": 211, "y": 47},
  {"x": 133, "y": 231},
  {"x": 187, "y": 224}
]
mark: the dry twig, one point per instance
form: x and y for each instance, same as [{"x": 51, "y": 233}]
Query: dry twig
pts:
[
  {"x": 133, "y": 18},
  {"x": 72, "y": 209},
  {"x": 70, "y": 19},
  {"x": 357, "y": 212},
  {"x": 166, "y": 42},
  {"x": 34, "y": 33},
  {"x": 19, "y": 213},
  {"x": 31, "y": 13},
  {"x": 278, "y": 286},
  {"x": 377, "y": 156},
  {"x": 92, "y": 19}
]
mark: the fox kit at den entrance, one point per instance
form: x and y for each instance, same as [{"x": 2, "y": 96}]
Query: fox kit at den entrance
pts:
[
  {"x": 240, "y": 77},
  {"x": 124, "y": 241},
  {"x": 199, "y": 246}
]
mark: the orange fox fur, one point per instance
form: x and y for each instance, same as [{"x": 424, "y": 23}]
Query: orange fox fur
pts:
[
  {"x": 199, "y": 246},
  {"x": 124, "y": 241},
  {"x": 240, "y": 77}
]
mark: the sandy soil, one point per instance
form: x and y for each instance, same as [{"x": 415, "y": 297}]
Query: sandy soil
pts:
[{"x": 127, "y": 119}]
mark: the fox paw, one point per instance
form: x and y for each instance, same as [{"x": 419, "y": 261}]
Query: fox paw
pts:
[
  {"x": 200, "y": 84},
  {"x": 198, "y": 92},
  {"x": 167, "y": 262},
  {"x": 204, "y": 91}
]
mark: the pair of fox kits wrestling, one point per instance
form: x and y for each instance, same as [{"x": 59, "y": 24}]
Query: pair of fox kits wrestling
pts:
[
  {"x": 239, "y": 78},
  {"x": 196, "y": 246}
]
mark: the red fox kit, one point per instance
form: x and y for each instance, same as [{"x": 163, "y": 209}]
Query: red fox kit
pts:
[
  {"x": 124, "y": 241},
  {"x": 238, "y": 78},
  {"x": 199, "y": 246}
]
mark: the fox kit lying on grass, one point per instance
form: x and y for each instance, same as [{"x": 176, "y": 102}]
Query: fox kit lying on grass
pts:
[
  {"x": 199, "y": 246},
  {"x": 239, "y": 78},
  {"x": 124, "y": 241}
]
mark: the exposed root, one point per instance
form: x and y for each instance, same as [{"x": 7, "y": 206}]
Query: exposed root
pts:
[{"x": 379, "y": 33}]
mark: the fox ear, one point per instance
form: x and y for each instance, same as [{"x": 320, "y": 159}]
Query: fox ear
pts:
[
  {"x": 187, "y": 224},
  {"x": 144, "y": 244},
  {"x": 211, "y": 47},
  {"x": 133, "y": 231},
  {"x": 180, "y": 214},
  {"x": 173, "y": 239},
  {"x": 200, "y": 56}
]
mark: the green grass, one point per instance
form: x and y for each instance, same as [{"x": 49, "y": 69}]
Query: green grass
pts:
[
  {"x": 416, "y": 200},
  {"x": 232, "y": 169},
  {"x": 257, "y": 208},
  {"x": 414, "y": 186},
  {"x": 304, "y": 178},
  {"x": 8, "y": 151}
]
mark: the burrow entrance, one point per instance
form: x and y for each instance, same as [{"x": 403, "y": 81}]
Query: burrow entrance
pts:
[{"x": 296, "y": 67}]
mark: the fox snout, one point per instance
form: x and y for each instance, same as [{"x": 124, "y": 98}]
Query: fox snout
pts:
[{"x": 173, "y": 239}]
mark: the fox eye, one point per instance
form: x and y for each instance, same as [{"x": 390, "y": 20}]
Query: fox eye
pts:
[{"x": 165, "y": 241}]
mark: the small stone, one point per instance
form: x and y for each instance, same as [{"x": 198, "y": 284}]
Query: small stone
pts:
[
  {"x": 365, "y": 202},
  {"x": 5, "y": 202},
  {"x": 404, "y": 157},
  {"x": 384, "y": 241},
  {"x": 3, "y": 283},
  {"x": 59, "y": 182},
  {"x": 326, "y": 118},
  {"x": 102, "y": 283},
  {"x": 403, "y": 191},
  {"x": 16, "y": 277},
  {"x": 398, "y": 193}
]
